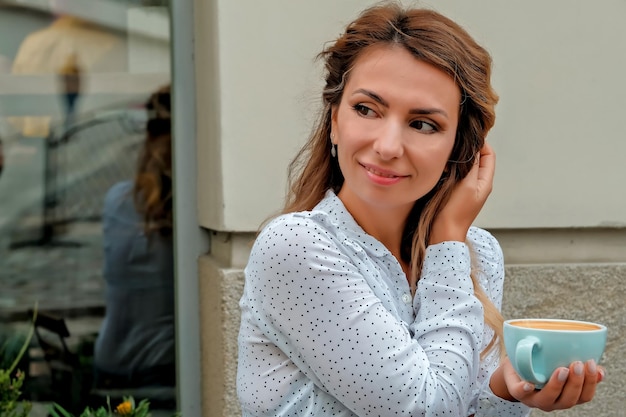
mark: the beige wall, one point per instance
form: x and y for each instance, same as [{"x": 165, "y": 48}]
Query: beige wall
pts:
[
  {"x": 558, "y": 66},
  {"x": 556, "y": 207},
  {"x": 257, "y": 100}
]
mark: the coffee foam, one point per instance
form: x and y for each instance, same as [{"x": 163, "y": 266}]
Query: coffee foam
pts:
[{"x": 556, "y": 325}]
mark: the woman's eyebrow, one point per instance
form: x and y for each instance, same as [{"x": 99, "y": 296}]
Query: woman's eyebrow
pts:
[
  {"x": 384, "y": 103},
  {"x": 372, "y": 95},
  {"x": 429, "y": 111}
]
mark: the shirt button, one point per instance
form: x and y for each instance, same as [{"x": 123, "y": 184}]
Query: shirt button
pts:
[{"x": 406, "y": 298}]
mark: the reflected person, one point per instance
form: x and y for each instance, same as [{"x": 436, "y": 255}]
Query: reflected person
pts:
[
  {"x": 70, "y": 79},
  {"x": 135, "y": 345}
]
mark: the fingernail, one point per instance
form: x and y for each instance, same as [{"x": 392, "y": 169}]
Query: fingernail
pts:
[
  {"x": 591, "y": 366},
  {"x": 528, "y": 387},
  {"x": 579, "y": 368},
  {"x": 563, "y": 373},
  {"x": 602, "y": 375}
]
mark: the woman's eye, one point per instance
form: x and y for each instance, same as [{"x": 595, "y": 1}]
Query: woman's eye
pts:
[
  {"x": 364, "y": 110},
  {"x": 423, "y": 126}
]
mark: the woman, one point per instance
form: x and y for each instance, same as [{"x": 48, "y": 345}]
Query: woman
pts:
[
  {"x": 372, "y": 294},
  {"x": 135, "y": 345}
]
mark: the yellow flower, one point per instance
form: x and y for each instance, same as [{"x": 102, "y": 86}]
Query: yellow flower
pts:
[{"x": 124, "y": 408}]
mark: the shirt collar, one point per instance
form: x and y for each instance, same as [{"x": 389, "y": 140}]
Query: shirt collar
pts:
[{"x": 337, "y": 214}]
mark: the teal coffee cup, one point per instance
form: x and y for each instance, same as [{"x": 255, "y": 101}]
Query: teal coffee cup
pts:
[{"x": 537, "y": 347}]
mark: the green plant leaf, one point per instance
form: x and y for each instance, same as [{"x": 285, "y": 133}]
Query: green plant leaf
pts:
[
  {"x": 26, "y": 342},
  {"x": 63, "y": 413}
]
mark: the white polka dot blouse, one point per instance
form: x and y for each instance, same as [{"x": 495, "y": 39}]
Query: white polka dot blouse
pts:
[{"x": 329, "y": 326}]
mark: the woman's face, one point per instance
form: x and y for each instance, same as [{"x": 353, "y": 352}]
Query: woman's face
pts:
[{"x": 394, "y": 128}]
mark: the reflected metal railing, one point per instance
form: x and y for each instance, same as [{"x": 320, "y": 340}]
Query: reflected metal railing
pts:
[{"x": 80, "y": 164}]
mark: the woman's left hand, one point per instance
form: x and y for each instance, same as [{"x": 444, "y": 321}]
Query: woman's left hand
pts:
[
  {"x": 566, "y": 387},
  {"x": 467, "y": 199}
]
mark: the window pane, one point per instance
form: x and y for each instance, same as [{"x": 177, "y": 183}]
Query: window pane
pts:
[{"x": 86, "y": 206}]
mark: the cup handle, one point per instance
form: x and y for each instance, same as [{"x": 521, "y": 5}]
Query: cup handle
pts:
[{"x": 524, "y": 360}]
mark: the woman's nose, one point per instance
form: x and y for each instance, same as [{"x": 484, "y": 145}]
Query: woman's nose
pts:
[{"x": 388, "y": 143}]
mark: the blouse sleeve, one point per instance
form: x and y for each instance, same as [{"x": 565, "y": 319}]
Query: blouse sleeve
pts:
[
  {"x": 313, "y": 301},
  {"x": 489, "y": 265}
]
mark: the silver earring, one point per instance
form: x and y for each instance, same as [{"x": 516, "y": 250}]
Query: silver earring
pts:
[{"x": 333, "y": 147}]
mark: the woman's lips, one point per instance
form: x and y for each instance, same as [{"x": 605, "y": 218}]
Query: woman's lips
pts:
[
  {"x": 381, "y": 172},
  {"x": 382, "y": 176}
]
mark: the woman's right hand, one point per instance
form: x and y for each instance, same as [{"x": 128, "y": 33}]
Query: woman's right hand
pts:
[
  {"x": 467, "y": 199},
  {"x": 566, "y": 387}
]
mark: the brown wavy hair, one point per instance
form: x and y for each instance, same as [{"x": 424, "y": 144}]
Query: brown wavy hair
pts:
[
  {"x": 152, "y": 190},
  {"x": 432, "y": 38}
]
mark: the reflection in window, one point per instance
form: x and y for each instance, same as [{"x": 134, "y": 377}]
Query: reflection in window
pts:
[
  {"x": 135, "y": 346},
  {"x": 85, "y": 207}
]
